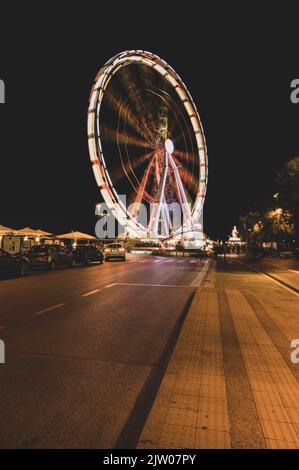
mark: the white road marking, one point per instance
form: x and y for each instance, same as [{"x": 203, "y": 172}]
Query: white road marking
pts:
[
  {"x": 96, "y": 291},
  {"x": 192, "y": 261},
  {"x": 169, "y": 261},
  {"x": 294, "y": 271},
  {"x": 91, "y": 293},
  {"x": 158, "y": 260},
  {"x": 54, "y": 307},
  {"x": 148, "y": 285},
  {"x": 199, "y": 278}
]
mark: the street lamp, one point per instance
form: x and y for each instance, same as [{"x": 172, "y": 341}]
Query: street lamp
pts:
[{"x": 276, "y": 214}]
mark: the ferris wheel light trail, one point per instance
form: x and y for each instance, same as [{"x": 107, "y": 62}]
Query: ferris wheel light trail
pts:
[
  {"x": 112, "y": 135},
  {"x": 150, "y": 142}
]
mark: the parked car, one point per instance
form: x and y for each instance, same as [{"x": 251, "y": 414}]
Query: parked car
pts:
[
  {"x": 87, "y": 253},
  {"x": 50, "y": 256},
  {"x": 13, "y": 264},
  {"x": 114, "y": 251}
]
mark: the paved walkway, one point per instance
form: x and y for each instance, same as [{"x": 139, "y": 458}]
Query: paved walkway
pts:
[{"x": 230, "y": 382}]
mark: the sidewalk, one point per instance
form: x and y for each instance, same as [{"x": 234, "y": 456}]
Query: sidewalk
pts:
[{"x": 230, "y": 382}]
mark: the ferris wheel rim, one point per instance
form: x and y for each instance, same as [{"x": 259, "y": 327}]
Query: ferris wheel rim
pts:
[{"x": 97, "y": 158}]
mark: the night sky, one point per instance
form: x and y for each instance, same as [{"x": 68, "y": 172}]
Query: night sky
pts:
[{"x": 237, "y": 64}]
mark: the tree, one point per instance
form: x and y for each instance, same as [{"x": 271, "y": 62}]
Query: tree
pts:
[
  {"x": 288, "y": 185},
  {"x": 279, "y": 225},
  {"x": 251, "y": 227},
  {"x": 273, "y": 225}
]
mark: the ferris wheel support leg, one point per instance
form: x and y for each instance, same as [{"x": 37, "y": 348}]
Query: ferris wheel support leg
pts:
[
  {"x": 168, "y": 222},
  {"x": 187, "y": 217},
  {"x": 157, "y": 206}
]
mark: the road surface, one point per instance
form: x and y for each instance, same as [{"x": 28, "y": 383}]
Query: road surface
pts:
[
  {"x": 85, "y": 347},
  {"x": 115, "y": 356}
]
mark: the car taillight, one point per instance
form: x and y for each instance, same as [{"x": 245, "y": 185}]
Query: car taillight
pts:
[
  {"x": 122, "y": 250},
  {"x": 107, "y": 250}
]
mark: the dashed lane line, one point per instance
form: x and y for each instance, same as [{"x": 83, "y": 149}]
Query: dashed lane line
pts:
[
  {"x": 53, "y": 307},
  {"x": 91, "y": 293},
  {"x": 87, "y": 294},
  {"x": 96, "y": 291}
]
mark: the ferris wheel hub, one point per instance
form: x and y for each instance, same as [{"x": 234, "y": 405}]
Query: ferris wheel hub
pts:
[{"x": 169, "y": 147}]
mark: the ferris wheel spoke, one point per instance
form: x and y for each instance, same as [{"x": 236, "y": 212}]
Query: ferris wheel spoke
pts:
[
  {"x": 188, "y": 180},
  {"x": 143, "y": 184},
  {"x": 138, "y": 97},
  {"x": 130, "y": 168},
  {"x": 183, "y": 156},
  {"x": 183, "y": 135},
  {"x": 187, "y": 176},
  {"x": 138, "y": 126},
  {"x": 138, "y": 115},
  {"x": 111, "y": 135},
  {"x": 127, "y": 116},
  {"x": 187, "y": 169}
]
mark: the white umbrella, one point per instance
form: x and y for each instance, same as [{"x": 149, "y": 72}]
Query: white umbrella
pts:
[
  {"x": 76, "y": 236},
  {"x": 27, "y": 232},
  {"x": 42, "y": 233},
  {"x": 6, "y": 230}
]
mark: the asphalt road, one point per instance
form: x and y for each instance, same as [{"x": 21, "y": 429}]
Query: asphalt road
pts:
[{"x": 85, "y": 347}]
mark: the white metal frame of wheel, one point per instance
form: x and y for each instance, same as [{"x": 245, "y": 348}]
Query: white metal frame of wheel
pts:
[{"x": 159, "y": 212}]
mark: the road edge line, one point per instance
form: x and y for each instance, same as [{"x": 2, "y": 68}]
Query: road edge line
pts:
[{"x": 283, "y": 284}]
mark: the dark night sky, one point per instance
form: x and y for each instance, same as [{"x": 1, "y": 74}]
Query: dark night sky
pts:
[{"x": 237, "y": 64}]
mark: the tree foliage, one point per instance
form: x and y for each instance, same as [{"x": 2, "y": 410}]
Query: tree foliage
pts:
[
  {"x": 273, "y": 223},
  {"x": 288, "y": 184}
]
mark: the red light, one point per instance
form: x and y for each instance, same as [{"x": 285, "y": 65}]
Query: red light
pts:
[
  {"x": 122, "y": 250},
  {"x": 107, "y": 250}
]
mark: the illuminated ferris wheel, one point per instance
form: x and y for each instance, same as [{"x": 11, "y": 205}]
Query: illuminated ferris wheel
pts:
[{"x": 146, "y": 143}]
